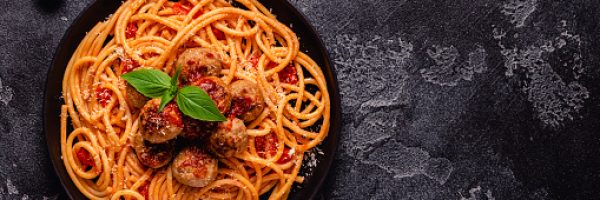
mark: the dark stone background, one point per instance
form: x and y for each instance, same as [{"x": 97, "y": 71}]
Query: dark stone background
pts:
[{"x": 457, "y": 99}]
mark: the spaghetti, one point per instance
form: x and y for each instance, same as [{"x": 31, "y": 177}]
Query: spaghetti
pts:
[{"x": 254, "y": 46}]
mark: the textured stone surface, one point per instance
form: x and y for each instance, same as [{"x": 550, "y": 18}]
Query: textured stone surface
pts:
[{"x": 457, "y": 99}]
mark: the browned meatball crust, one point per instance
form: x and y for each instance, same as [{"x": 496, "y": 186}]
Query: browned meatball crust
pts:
[
  {"x": 134, "y": 99},
  {"x": 247, "y": 101},
  {"x": 194, "y": 167},
  {"x": 152, "y": 155},
  {"x": 217, "y": 90},
  {"x": 160, "y": 127},
  {"x": 198, "y": 62},
  {"x": 229, "y": 138},
  {"x": 196, "y": 129}
]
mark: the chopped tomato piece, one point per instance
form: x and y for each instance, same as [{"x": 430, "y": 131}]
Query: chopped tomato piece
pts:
[
  {"x": 131, "y": 30},
  {"x": 171, "y": 114},
  {"x": 103, "y": 96},
  {"x": 288, "y": 75},
  {"x": 128, "y": 65},
  {"x": 143, "y": 190},
  {"x": 209, "y": 86},
  {"x": 181, "y": 9},
  {"x": 240, "y": 105},
  {"x": 271, "y": 65},
  {"x": 85, "y": 159},
  {"x": 285, "y": 157},
  {"x": 218, "y": 33},
  {"x": 267, "y": 143}
]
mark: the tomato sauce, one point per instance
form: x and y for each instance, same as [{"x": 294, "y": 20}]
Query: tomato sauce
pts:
[
  {"x": 181, "y": 9},
  {"x": 197, "y": 160},
  {"x": 143, "y": 190},
  {"x": 288, "y": 75},
  {"x": 240, "y": 106},
  {"x": 172, "y": 114},
  {"x": 103, "y": 96},
  {"x": 268, "y": 144},
  {"x": 128, "y": 65},
  {"x": 184, "y": 8},
  {"x": 218, "y": 33},
  {"x": 285, "y": 157},
  {"x": 131, "y": 30},
  {"x": 209, "y": 86},
  {"x": 85, "y": 159}
]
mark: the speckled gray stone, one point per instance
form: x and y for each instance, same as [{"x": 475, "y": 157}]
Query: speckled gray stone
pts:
[{"x": 457, "y": 99}]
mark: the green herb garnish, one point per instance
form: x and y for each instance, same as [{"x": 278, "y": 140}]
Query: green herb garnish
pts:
[
  {"x": 191, "y": 100},
  {"x": 150, "y": 82},
  {"x": 194, "y": 102}
]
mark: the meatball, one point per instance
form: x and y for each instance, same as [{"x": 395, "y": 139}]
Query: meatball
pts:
[
  {"x": 194, "y": 167},
  {"x": 217, "y": 90},
  {"x": 160, "y": 127},
  {"x": 229, "y": 138},
  {"x": 152, "y": 155},
  {"x": 198, "y": 62},
  {"x": 197, "y": 130},
  {"x": 134, "y": 99},
  {"x": 247, "y": 101}
]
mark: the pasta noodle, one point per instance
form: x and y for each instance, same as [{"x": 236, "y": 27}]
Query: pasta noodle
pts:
[{"x": 97, "y": 144}]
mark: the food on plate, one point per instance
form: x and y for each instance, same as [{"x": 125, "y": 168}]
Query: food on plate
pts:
[
  {"x": 194, "y": 167},
  {"x": 160, "y": 126},
  {"x": 152, "y": 155},
  {"x": 230, "y": 138},
  {"x": 191, "y": 100}
]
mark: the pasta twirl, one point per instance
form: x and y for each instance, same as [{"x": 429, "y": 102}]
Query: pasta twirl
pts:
[{"x": 253, "y": 45}]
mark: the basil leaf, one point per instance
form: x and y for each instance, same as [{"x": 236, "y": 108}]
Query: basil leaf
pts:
[
  {"x": 194, "y": 102},
  {"x": 150, "y": 82},
  {"x": 168, "y": 96},
  {"x": 165, "y": 99},
  {"x": 175, "y": 77}
]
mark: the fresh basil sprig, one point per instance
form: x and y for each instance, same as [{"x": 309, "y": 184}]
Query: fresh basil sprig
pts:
[
  {"x": 194, "y": 102},
  {"x": 191, "y": 100},
  {"x": 168, "y": 96},
  {"x": 150, "y": 82}
]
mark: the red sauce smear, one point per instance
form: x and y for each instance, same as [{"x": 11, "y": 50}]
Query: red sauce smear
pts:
[
  {"x": 216, "y": 92},
  {"x": 85, "y": 159},
  {"x": 268, "y": 143},
  {"x": 288, "y": 75},
  {"x": 184, "y": 7},
  {"x": 143, "y": 190},
  {"x": 128, "y": 65},
  {"x": 209, "y": 86},
  {"x": 285, "y": 157},
  {"x": 240, "y": 106},
  {"x": 181, "y": 9},
  {"x": 196, "y": 159},
  {"x": 103, "y": 96},
  {"x": 171, "y": 114},
  {"x": 200, "y": 12},
  {"x": 271, "y": 65},
  {"x": 196, "y": 72},
  {"x": 131, "y": 30},
  {"x": 253, "y": 60},
  {"x": 210, "y": 55},
  {"x": 218, "y": 33}
]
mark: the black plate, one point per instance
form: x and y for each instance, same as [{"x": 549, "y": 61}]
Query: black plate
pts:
[{"x": 99, "y": 10}]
